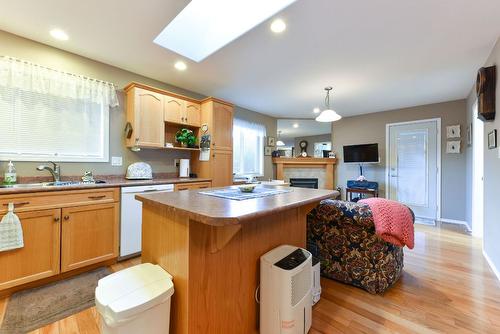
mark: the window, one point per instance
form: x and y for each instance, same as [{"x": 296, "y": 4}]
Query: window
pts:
[
  {"x": 248, "y": 148},
  {"x": 320, "y": 147},
  {"x": 52, "y": 115}
]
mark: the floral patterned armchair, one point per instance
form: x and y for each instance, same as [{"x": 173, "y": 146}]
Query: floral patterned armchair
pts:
[{"x": 342, "y": 235}]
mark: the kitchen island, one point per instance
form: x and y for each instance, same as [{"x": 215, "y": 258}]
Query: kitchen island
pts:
[{"x": 211, "y": 246}]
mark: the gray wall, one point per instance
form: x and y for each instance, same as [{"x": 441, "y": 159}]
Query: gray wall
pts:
[
  {"x": 161, "y": 160},
  {"x": 491, "y": 227},
  {"x": 370, "y": 128},
  {"x": 310, "y": 142}
]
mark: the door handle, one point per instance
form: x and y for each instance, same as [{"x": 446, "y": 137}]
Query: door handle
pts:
[
  {"x": 56, "y": 219},
  {"x": 66, "y": 217}
]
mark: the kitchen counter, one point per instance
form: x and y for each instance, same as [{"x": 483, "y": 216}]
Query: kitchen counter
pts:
[
  {"x": 217, "y": 211},
  {"x": 212, "y": 246},
  {"x": 111, "y": 182}
]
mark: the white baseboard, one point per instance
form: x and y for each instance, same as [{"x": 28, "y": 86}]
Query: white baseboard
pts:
[
  {"x": 492, "y": 265},
  {"x": 455, "y": 221}
]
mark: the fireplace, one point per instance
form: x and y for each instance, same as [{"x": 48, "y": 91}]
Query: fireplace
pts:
[{"x": 304, "y": 183}]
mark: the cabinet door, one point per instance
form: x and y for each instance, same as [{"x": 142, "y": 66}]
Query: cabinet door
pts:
[
  {"x": 150, "y": 129},
  {"x": 222, "y": 168},
  {"x": 89, "y": 235},
  {"x": 222, "y": 127},
  {"x": 175, "y": 110},
  {"x": 39, "y": 258},
  {"x": 193, "y": 114}
]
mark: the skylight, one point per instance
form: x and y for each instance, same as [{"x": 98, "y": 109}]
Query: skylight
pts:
[{"x": 204, "y": 26}]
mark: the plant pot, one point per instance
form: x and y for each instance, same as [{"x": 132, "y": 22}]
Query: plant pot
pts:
[{"x": 184, "y": 145}]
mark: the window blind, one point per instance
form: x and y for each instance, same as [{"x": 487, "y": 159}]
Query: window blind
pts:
[
  {"x": 47, "y": 120},
  {"x": 248, "y": 148}
]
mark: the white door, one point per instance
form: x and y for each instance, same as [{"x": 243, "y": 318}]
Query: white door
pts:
[
  {"x": 477, "y": 175},
  {"x": 413, "y": 166}
]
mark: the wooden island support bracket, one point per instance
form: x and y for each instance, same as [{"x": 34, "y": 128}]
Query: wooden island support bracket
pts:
[{"x": 220, "y": 236}]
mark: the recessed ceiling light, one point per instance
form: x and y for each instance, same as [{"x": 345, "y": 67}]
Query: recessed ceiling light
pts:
[
  {"x": 278, "y": 26},
  {"x": 203, "y": 27},
  {"x": 295, "y": 125},
  {"x": 316, "y": 110},
  {"x": 180, "y": 65},
  {"x": 59, "y": 34}
]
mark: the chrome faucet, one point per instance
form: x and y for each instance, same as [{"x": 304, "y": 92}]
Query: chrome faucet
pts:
[{"x": 55, "y": 171}]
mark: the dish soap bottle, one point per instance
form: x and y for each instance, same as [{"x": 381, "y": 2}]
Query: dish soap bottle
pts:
[{"x": 10, "y": 176}]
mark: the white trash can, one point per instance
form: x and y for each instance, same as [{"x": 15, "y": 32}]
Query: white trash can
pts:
[{"x": 135, "y": 300}]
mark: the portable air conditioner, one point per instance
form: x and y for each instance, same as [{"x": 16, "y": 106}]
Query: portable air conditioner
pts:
[{"x": 285, "y": 291}]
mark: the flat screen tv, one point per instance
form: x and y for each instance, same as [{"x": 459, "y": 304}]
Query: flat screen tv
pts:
[{"x": 366, "y": 153}]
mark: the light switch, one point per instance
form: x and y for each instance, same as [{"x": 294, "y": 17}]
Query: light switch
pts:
[{"x": 116, "y": 161}]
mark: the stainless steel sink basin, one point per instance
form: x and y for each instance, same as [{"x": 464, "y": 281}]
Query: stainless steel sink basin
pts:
[{"x": 44, "y": 184}]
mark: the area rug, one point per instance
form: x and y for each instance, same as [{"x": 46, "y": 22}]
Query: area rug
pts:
[{"x": 34, "y": 308}]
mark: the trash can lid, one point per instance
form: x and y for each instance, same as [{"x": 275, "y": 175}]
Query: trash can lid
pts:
[{"x": 124, "y": 294}]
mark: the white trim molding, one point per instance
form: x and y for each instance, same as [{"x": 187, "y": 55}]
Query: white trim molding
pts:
[
  {"x": 492, "y": 265},
  {"x": 457, "y": 222}
]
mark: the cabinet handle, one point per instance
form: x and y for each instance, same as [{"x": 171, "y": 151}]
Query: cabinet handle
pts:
[
  {"x": 213, "y": 155},
  {"x": 97, "y": 197},
  {"x": 17, "y": 203},
  {"x": 66, "y": 217},
  {"x": 56, "y": 219},
  {"x": 213, "y": 143}
]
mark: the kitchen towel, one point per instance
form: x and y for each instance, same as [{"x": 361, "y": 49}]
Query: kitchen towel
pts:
[{"x": 11, "y": 231}]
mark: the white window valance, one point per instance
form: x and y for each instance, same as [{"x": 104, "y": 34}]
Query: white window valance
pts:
[
  {"x": 26, "y": 76},
  {"x": 53, "y": 115}
]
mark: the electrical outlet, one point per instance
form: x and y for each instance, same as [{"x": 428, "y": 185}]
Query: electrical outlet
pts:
[{"x": 116, "y": 161}]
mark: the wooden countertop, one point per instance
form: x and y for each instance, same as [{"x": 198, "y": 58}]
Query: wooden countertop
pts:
[{"x": 217, "y": 211}]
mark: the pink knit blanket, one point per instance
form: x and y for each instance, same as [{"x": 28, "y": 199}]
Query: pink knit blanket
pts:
[{"x": 393, "y": 221}]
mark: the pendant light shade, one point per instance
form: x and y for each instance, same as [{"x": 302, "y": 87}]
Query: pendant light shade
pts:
[
  {"x": 328, "y": 115},
  {"x": 279, "y": 142}
]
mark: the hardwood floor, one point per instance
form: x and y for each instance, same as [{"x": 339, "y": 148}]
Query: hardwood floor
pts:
[{"x": 447, "y": 287}]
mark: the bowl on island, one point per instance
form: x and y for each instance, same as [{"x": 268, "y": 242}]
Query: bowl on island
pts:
[{"x": 247, "y": 188}]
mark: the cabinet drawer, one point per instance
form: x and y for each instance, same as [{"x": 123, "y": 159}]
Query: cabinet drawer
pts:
[
  {"x": 58, "y": 199},
  {"x": 190, "y": 186}
]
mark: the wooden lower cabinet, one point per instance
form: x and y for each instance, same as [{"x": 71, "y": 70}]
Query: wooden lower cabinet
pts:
[
  {"x": 89, "y": 235},
  {"x": 39, "y": 258},
  {"x": 62, "y": 231},
  {"x": 192, "y": 185}
]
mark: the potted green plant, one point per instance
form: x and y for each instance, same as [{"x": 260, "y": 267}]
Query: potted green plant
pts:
[{"x": 186, "y": 138}]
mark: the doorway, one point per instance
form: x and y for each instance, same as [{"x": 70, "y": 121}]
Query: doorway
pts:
[
  {"x": 413, "y": 167},
  {"x": 477, "y": 174}
]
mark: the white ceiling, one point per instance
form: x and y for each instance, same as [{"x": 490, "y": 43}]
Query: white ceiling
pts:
[
  {"x": 378, "y": 55},
  {"x": 307, "y": 127}
]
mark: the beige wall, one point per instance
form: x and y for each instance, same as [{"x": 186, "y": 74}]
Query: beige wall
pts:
[
  {"x": 491, "y": 224},
  {"x": 371, "y": 128},
  {"x": 161, "y": 160}
]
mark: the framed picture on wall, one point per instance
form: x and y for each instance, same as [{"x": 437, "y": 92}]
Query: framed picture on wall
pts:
[
  {"x": 268, "y": 150},
  {"x": 492, "y": 139},
  {"x": 453, "y": 147},
  {"x": 271, "y": 141},
  {"x": 453, "y": 131}
]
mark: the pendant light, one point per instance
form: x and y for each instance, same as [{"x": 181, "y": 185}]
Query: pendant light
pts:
[
  {"x": 328, "y": 115},
  {"x": 279, "y": 142}
]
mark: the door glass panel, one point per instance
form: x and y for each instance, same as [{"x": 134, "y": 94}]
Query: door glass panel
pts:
[{"x": 412, "y": 167}]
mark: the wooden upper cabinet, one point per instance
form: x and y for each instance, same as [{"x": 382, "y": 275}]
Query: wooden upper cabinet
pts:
[
  {"x": 89, "y": 235},
  {"x": 193, "y": 114},
  {"x": 175, "y": 109},
  {"x": 39, "y": 258},
  {"x": 222, "y": 127},
  {"x": 221, "y": 168},
  {"x": 145, "y": 113},
  {"x": 182, "y": 112}
]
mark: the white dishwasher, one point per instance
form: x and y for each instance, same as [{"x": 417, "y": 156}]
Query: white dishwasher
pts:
[{"x": 131, "y": 217}]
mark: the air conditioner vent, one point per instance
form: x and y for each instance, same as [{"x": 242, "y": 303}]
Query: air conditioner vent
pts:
[{"x": 301, "y": 284}]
